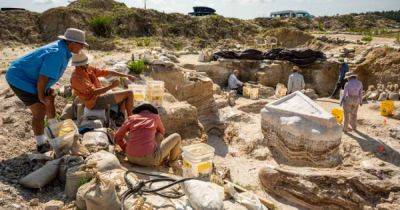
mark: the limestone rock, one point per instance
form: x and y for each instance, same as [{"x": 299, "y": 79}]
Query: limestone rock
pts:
[
  {"x": 373, "y": 95},
  {"x": 393, "y": 96},
  {"x": 53, "y": 205},
  {"x": 180, "y": 117},
  {"x": 266, "y": 92},
  {"x": 243, "y": 172},
  {"x": 310, "y": 93},
  {"x": 299, "y": 132},
  {"x": 383, "y": 96},
  {"x": 313, "y": 188}
]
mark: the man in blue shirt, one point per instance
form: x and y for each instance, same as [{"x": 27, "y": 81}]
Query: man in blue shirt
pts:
[
  {"x": 31, "y": 77},
  {"x": 344, "y": 68}
]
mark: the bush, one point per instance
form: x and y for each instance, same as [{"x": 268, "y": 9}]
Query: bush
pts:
[
  {"x": 367, "y": 37},
  {"x": 137, "y": 67},
  {"x": 143, "y": 42},
  {"x": 398, "y": 38},
  {"x": 102, "y": 26}
]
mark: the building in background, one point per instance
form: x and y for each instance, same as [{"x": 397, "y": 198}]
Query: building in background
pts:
[{"x": 291, "y": 14}]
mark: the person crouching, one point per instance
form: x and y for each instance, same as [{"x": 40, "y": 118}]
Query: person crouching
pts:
[{"x": 144, "y": 144}]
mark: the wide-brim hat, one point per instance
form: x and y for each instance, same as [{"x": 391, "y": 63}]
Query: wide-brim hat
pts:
[
  {"x": 350, "y": 74},
  {"x": 80, "y": 59},
  {"x": 145, "y": 106},
  {"x": 74, "y": 35}
]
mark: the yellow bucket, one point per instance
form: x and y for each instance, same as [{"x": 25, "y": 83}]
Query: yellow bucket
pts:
[
  {"x": 387, "y": 108},
  {"x": 338, "y": 114}
]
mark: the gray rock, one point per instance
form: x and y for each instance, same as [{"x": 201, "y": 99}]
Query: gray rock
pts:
[
  {"x": 383, "y": 96},
  {"x": 394, "y": 96}
]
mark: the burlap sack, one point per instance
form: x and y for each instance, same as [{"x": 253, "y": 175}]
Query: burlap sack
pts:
[
  {"x": 66, "y": 163},
  {"x": 42, "y": 176},
  {"x": 96, "y": 140},
  {"x": 76, "y": 176},
  {"x": 102, "y": 195},
  {"x": 103, "y": 161}
]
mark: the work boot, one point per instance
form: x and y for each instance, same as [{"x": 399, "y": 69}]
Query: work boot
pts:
[{"x": 43, "y": 148}]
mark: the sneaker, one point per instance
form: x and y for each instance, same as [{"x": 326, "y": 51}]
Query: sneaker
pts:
[{"x": 43, "y": 147}]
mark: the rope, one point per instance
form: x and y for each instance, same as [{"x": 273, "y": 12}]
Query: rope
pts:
[{"x": 145, "y": 186}]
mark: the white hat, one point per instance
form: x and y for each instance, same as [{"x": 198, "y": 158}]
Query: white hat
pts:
[
  {"x": 74, "y": 35},
  {"x": 350, "y": 74},
  {"x": 80, "y": 59}
]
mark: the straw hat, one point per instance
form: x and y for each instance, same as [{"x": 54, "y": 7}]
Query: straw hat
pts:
[
  {"x": 350, "y": 74},
  {"x": 145, "y": 106},
  {"x": 80, "y": 59},
  {"x": 74, "y": 35}
]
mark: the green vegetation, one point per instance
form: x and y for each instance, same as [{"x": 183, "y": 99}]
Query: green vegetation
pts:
[
  {"x": 398, "y": 38},
  {"x": 143, "y": 42},
  {"x": 137, "y": 67},
  {"x": 83, "y": 181},
  {"x": 102, "y": 26},
  {"x": 321, "y": 26},
  {"x": 367, "y": 37}
]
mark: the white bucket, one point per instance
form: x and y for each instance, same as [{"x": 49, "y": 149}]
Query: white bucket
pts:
[{"x": 197, "y": 160}]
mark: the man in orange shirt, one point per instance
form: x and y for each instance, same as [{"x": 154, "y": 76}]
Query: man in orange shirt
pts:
[
  {"x": 85, "y": 83},
  {"x": 144, "y": 144}
]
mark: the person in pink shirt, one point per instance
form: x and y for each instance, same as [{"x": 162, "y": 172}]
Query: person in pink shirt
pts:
[
  {"x": 351, "y": 99},
  {"x": 145, "y": 144}
]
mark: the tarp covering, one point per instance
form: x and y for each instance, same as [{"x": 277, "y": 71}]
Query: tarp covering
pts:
[{"x": 299, "y": 56}]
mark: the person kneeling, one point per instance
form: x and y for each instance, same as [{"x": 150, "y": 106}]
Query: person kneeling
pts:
[
  {"x": 85, "y": 83},
  {"x": 144, "y": 144}
]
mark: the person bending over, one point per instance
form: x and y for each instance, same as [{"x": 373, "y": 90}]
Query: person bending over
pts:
[{"x": 85, "y": 83}]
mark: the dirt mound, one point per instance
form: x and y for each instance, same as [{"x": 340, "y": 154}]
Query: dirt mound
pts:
[
  {"x": 53, "y": 22},
  {"x": 96, "y": 4},
  {"x": 288, "y": 37},
  {"x": 20, "y": 26},
  {"x": 381, "y": 65}
]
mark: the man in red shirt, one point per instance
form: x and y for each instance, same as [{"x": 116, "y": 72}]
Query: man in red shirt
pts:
[{"x": 144, "y": 144}]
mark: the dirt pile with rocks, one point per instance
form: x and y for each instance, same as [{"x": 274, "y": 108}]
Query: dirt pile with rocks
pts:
[
  {"x": 19, "y": 26},
  {"x": 381, "y": 65}
]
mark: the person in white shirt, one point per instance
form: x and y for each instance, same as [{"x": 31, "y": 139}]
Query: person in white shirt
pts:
[
  {"x": 296, "y": 81},
  {"x": 234, "y": 83}
]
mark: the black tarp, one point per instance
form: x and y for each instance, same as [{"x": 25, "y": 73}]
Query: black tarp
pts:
[{"x": 299, "y": 56}]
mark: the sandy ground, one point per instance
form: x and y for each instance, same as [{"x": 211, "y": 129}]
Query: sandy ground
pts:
[
  {"x": 243, "y": 155},
  {"x": 354, "y": 38}
]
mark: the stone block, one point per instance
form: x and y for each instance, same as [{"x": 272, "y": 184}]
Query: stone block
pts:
[{"x": 299, "y": 132}]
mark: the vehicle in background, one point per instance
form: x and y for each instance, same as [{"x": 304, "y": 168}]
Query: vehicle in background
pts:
[{"x": 202, "y": 11}]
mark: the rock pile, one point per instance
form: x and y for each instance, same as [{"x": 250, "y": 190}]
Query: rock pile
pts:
[{"x": 383, "y": 92}]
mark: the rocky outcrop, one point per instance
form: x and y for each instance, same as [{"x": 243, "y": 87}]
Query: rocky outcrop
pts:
[
  {"x": 374, "y": 184},
  {"x": 299, "y": 132},
  {"x": 19, "y": 26},
  {"x": 181, "y": 117},
  {"x": 320, "y": 76}
]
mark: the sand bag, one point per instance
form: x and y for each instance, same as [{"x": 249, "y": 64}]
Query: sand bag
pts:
[
  {"x": 66, "y": 163},
  {"x": 280, "y": 90},
  {"x": 68, "y": 112},
  {"x": 101, "y": 194},
  {"x": 76, "y": 177},
  {"x": 42, "y": 176},
  {"x": 203, "y": 195},
  {"x": 103, "y": 161},
  {"x": 96, "y": 140},
  {"x": 80, "y": 195}
]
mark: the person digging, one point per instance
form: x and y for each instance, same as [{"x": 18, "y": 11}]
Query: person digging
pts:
[
  {"x": 145, "y": 144},
  {"x": 234, "y": 83},
  {"x": 86, "y": 85},
  {"x": 32, "y": 76},
  {"x": 344, "y": 68}
]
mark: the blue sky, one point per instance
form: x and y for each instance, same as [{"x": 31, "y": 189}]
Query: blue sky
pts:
[{"x": 235, "y": 8}]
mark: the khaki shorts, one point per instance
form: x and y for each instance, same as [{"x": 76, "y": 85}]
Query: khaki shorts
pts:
[
  {"x": 168, "y": 147},
  {"x": 104, "y": 100}
]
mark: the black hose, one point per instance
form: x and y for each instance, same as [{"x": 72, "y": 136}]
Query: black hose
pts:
[{"x": 141, "y": 186}]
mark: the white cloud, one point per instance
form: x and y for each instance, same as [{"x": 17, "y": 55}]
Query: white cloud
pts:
[{"x": 45, "y": 1}]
